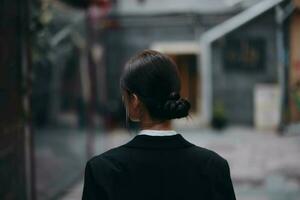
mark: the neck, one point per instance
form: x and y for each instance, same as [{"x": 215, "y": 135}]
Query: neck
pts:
[{"x": 166, "y": 125}]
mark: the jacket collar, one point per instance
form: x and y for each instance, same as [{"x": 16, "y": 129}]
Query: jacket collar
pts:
[{"x": 162, "y": 142}]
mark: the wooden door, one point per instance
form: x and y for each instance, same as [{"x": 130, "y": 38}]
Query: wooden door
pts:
[{"x": 187, "y": 65}]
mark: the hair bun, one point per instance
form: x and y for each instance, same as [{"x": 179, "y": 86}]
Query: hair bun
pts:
[
  {"x": 174, "y": 96},
  {"x": 176, "y": 108}
]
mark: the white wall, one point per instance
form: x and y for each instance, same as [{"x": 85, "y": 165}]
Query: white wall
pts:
[{"x": 179, "y": 6}]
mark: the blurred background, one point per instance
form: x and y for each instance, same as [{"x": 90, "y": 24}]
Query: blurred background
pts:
[{"x": 60, "y": 103}]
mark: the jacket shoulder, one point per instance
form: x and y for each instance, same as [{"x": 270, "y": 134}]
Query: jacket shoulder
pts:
[
  {"x": 209, "y": 158},
  {"x": 108, "y": 158},
  {"x": 210, "y": 154}
]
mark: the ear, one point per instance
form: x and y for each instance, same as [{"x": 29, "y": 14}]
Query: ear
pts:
[
  {"x": 135, "y": 101},
  {"x": 134, "y": 108}
]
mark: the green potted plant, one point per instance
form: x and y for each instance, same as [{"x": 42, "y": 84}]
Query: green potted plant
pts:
[
  {"x": 296, "y": 94},
  {"x": 219, "y": 119}
]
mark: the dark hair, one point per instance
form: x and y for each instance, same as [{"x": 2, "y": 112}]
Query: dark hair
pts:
[{"x": 154, "y": 78}]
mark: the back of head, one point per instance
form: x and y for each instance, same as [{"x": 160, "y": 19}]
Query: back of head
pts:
[{"x": 154, "y": 78}]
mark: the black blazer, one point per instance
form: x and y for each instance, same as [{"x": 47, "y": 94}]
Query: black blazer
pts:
[{"x": 158, "y": 168}]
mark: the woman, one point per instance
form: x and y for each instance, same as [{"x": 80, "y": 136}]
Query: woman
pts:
[{"x": 158, "y": 163}]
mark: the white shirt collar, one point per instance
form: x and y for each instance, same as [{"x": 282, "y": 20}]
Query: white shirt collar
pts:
[{"x": 157, "y": 132}]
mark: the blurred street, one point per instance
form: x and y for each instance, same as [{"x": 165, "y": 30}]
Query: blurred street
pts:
[
  {"x": 263, "y": 165},
  {"x": 61, "y": 102}
]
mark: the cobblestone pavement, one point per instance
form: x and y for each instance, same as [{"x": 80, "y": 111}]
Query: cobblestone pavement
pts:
[{"x": 264, "y": 166}]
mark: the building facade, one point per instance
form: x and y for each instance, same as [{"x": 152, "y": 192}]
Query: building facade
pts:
[
  {"x": 209, "y": 80},
  {"x": 293, "y": 89},
  {"x": 16, "y": 170}
]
